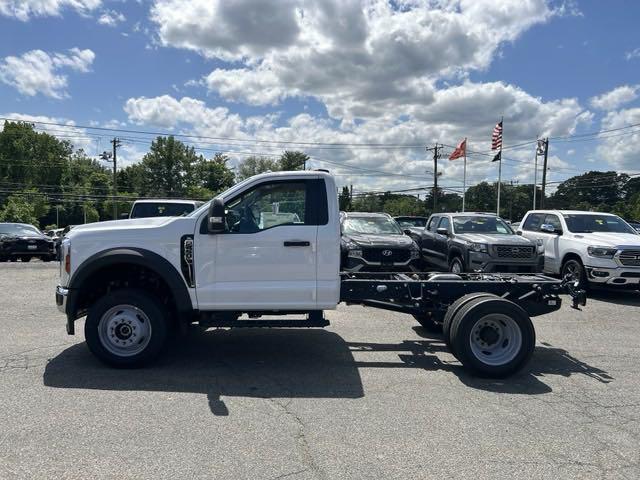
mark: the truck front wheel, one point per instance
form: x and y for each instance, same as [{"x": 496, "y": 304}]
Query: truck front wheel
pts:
[
  {"x": 493, "y": 337},
  {"x": 126, "y": 328}
]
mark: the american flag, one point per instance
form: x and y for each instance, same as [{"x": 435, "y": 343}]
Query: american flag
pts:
[{"x": 496, "y": 138}]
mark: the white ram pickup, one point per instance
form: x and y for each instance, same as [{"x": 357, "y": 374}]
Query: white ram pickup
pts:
[
  {"x": 595, "y": 248},
  {"x": 271, "y": 246}
]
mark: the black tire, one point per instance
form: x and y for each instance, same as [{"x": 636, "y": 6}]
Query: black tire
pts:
[
  {"x": 574, "y": 266},
  {"x": 456, "y": 265},
  {"x": 467, "y": 319},
  {"x": 428, "y": 323},
  {"x": 150, "y": 307},
  {"x": 454, "y": 308}
]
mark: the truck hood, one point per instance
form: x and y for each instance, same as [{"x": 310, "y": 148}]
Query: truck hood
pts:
[
  {"x": 364, "y": 240},
  {"x": 497, "y": 239},
  {"x": 119, "y": 225},
  {"x": 606, "y": 239}
]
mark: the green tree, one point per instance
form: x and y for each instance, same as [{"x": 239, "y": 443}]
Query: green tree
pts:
[
  {"x": 168, "y": 167},
  {"x": 367, "y": 203},
  {"x": 403, "y": 205},
  {"x": 214, "y": 175},
  {"x": 292, "y": 160},
  {"x": 254, "y": 165},
  {"x": 18, "y": 209},
  {"x": 592, "y": 188},
  {"x": 344, "y": 199}
]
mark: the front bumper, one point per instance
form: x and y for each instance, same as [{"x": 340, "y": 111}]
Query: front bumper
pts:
[
  {"x": 61, "y": 298},
  {"x": 480, "y": 261},
  {"x": 613, "y": 276},
  {"x": 359, "y": 264}
]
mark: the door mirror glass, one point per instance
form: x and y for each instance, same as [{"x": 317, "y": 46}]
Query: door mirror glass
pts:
[
  {"x": 442, "y": 231},
  {"x": 407, "y": 231},
  {"x": 549, "y": 228},
  {"x": 216, "y": 218},
  {"x": 519, "y": 232}
]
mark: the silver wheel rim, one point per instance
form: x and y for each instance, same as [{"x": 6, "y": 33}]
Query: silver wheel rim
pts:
[
  {"x": 124, "y": 330},
  {"x": 573, "y": 269},
  {"x": 455, "y": 267},
  {"x": 496, "y": 339}
]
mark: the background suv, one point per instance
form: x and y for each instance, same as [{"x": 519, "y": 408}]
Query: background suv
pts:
[
  {"x": 596, "y": 248},
  {"x": 461, "y": 242},
  {"x": 375, "y": 242}
]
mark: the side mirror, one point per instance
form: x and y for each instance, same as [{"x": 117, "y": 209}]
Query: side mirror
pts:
[
  {"x": 124, "y": 216},
  {"x": 519, "y": 232},
  {"x": 407, "y": 231},
  {"x": 442, "y": 231},
  {"x": 215, "y": 220},
  {"x": 548, "y": 228}
]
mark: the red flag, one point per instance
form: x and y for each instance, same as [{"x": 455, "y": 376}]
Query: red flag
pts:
[{"x": 460, "y": 151}]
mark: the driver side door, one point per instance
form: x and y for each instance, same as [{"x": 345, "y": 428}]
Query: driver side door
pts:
[{"x": 266, "y": 258}]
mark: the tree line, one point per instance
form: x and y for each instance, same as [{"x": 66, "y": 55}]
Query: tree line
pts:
[{"x": 45, "y": 181}]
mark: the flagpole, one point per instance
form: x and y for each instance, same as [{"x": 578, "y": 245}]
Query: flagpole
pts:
[
  {"x": 500, "y": 164},
  {"x": 535, "y": 175},
  {"x": 464, "y": 174}
]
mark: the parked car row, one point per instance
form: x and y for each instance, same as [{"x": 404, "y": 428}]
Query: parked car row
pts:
[{"x": 595, "y": 248}]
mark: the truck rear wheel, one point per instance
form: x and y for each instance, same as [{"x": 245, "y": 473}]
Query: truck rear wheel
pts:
[
  {"x": 493, "y": 337},
  {"x": 454, "y": 308},
  {"x": 126, "y": 328}
]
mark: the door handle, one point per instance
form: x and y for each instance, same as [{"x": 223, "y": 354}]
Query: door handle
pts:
[{"x": 296, "y": 243}]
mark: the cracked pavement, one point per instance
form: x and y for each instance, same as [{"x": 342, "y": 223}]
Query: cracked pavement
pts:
[{"x": 371, "y": 396}]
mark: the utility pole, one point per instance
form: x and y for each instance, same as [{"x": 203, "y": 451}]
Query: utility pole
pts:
[
  {"x": 435, "y": 149},
  {"x": 544, "y": 172},
  {"x": 116, "y": 143},
  {"x": 57, "y": 216}
]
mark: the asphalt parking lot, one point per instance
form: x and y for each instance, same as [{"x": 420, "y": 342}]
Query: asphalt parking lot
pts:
[{"x": 372, "y": 396}]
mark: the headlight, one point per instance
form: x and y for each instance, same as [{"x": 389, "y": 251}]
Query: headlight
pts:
[
  {"x": 601, "y": 252},
  {"x": 355, "y": 253},
  {"x": 479, "y": 247}
]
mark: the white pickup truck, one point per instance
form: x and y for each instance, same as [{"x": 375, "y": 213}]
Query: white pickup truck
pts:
[
  {"x": 595, "y": 248},
  {"x": 136, "y": 280}
]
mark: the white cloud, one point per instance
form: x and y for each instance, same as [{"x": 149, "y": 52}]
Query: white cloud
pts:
[
  {"x": 37, "y": 71},
  {"x": 361, "y": 59},
  {"x": 111, "y": 18},
  {"x": 472, "y": 110},
  {"x": 621, "y": 149},
  {"x": 615, "y": 98},
  {"x": 27, "y": 9},
  {"x": 635, "y": 53}
]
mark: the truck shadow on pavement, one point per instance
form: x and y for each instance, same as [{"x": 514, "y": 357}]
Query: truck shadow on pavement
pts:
[
  {"x": 281, "y": 363},
  {"x": 260, "y": 363},
  {"x": 619, "y": 297}
]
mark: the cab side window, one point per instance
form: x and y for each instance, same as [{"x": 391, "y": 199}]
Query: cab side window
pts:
[
  {"x": 555, "y": 221},
  {"x": 533, "y": 222},
  {"x": 445, "y": 223},
  {"x": 433, "y": 224},
  {"x": 269, "y": 205}
]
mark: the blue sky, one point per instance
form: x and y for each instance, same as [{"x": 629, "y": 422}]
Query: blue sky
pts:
[{"x": 401, "y": 73}]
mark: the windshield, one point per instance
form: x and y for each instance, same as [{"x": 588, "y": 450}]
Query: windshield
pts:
[
  {"x": 18, "y": 229},
  {"x": 371, "y": 225},
  {"x": 588, "y": 223},
  {"x": 486, "y": 225},
  {"x": 160, "y": 209},
  {"x": 411, "y": 222}
]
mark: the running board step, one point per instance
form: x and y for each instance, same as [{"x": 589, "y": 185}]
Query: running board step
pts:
[{"x": 314, "y": 320}]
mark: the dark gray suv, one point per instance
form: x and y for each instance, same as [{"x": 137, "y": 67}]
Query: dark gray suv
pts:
[{"x": 470, "y": 242}]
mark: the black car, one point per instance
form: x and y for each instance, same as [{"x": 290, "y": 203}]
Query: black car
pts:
[
  {"x": 635, "y": 224},
  {"x": 23, "y": 241},
  {"x": 471, "y": 242},
  {"x": 375, "y": 242}
]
